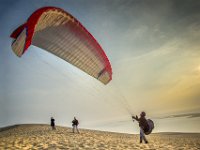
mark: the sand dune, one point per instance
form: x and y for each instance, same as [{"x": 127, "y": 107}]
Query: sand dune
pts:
[{"x": 42, "y": 137}]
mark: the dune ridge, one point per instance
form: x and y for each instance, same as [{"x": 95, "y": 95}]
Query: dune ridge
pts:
[{"x": 40, "y": 136}]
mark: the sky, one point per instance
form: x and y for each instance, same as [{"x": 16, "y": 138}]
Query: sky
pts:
[{"x": 153, "y": 47}]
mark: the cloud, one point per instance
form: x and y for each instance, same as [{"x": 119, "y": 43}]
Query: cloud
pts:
[{"x": 187, "y": 115}]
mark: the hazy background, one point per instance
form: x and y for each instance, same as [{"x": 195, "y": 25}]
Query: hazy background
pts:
[{"x": 154, "y": 50}]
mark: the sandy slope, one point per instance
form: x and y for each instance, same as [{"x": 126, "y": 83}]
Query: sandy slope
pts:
[{"x": 42, "y": 137}]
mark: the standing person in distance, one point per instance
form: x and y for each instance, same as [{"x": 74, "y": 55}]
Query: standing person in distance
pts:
[
  {"x": 75, "y": 125},
  {"x": 53, "y": 123}
]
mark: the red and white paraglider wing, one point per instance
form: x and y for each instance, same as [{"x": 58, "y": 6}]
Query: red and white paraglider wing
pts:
[{"x": 59, "y": 33}]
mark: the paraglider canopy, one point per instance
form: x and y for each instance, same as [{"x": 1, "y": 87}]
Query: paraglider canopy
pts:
[{"x": 59, "y": 33}]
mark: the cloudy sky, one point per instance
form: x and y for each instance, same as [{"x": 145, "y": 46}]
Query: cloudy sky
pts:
[{"x": 154, "y": 50}]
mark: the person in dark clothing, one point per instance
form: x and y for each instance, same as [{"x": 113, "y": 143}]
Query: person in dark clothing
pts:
[
  {"x": 75, "y": 125},
  {"x": 53, "y": 123},
  {"x": 143, "y": 124}
]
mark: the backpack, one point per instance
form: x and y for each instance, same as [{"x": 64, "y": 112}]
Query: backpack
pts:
[{"x": 150, "y": 127}]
